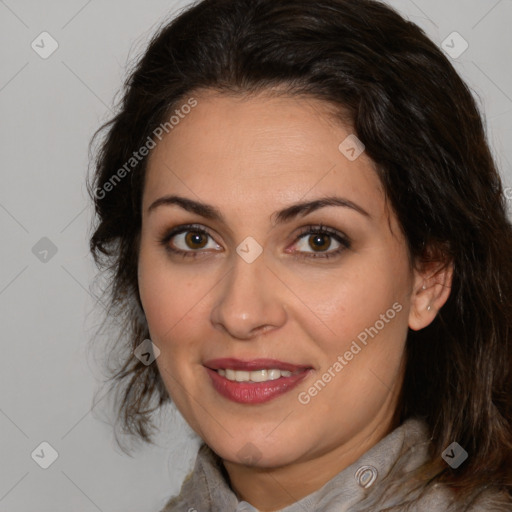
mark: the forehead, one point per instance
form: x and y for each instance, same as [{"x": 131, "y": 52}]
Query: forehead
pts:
[{"x": 250, "y": 150}]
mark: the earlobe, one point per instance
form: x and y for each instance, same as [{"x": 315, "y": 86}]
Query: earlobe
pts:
[{"x": 431, "y": 290}]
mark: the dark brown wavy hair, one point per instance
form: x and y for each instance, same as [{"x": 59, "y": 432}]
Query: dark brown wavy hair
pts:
[{"x": 422, "y": 128}]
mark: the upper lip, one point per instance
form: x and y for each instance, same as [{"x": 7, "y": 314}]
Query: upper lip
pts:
[{"x": 230, "y": 363}]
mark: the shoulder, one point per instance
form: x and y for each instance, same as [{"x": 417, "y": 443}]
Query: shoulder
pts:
[
  {"x": 441, "y": 498},
  {"x": 179, "y": 503},
  {"x": 205, "y": 488},
  {"x": 492, "y": 500},
  {"x": 183, "y": 502}
]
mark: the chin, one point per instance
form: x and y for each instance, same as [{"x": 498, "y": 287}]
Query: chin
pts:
[{"x": 255, "y": 452}]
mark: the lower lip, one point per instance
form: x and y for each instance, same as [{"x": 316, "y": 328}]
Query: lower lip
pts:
[{"x": 254, "y": 392}]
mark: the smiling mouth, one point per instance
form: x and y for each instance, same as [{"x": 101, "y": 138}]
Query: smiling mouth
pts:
[
  {"x": 255, "y": 381},
  {"x": 254, "y": 376}
]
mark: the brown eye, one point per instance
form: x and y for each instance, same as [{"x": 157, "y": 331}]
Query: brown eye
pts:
[
  {"x": 319, "y": 241},
  {"x": 189, "y": 240},
  {"x": 196, "y": 240}
]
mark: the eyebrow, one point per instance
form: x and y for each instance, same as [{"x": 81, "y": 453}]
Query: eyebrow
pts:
[{"x": 299, "y": 209}]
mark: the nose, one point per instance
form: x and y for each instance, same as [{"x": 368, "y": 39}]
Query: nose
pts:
[{"x": 248, "y": 301}]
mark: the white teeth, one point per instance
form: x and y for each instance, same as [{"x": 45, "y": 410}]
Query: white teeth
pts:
[
  {"x": 274, "y": 374},
  {"x": 242, "y": 376},
  {"x": 259, "y": 376},
  {"x": 255, "y": 376}
]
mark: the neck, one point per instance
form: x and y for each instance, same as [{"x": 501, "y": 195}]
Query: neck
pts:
[{"x": 270, "y": 489}]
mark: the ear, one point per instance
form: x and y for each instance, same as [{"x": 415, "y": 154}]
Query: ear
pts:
[{"x": 431, "y": 289}]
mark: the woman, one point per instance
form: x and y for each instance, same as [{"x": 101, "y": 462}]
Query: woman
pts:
[{"x": 309, "y": 252}]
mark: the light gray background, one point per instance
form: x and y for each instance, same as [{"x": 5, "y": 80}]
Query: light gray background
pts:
[{"x": 49, "y": 109}]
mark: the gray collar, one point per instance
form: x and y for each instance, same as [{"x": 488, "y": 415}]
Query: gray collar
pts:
[{"x": 207, "y": 488}]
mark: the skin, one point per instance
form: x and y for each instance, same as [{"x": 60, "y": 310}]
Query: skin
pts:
[{"x": 250, "y": 157}]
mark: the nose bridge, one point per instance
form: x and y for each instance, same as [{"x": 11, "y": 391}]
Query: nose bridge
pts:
[{"x": 248, "y": 301}]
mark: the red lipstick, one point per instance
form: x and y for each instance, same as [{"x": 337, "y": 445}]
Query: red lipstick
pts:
[{"x": 254, "y": 392}]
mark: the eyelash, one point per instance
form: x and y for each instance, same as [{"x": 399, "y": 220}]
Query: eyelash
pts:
[{"x": 307, "y": 230}]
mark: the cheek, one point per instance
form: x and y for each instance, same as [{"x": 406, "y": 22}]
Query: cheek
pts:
[
  {"x": 168, "y": 296},
  {"x": 337, "y": 306},
  {"x": 173, "y": 306}
]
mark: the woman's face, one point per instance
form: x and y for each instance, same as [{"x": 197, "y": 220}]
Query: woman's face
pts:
[{"x": 246, "y": 283}]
